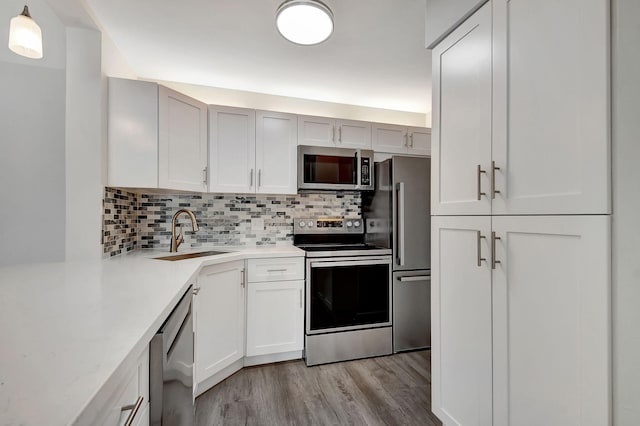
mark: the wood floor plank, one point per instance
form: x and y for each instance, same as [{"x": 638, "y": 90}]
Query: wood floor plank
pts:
[{"x": 390, "y": 390}]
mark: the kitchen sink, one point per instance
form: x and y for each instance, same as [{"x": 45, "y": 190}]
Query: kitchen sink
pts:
[{"x": 190, "y": 255}]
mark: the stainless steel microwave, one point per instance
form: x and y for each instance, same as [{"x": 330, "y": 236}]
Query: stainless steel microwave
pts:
[{"x": 335, "y": 168}]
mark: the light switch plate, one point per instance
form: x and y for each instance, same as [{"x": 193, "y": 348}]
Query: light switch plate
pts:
[{"x": 257, "y": 224}]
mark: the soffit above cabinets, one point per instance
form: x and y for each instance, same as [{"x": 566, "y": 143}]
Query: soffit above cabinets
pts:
[{"x": 375, "y": 58}]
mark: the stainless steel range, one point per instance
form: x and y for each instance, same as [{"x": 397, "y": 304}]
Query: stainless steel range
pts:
[{"x": 348, "y": 291}]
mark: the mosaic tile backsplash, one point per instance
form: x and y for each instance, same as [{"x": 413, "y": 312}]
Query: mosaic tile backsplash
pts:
[
  {"x": 119, "y": 221},
  {"x": 224, "y": 219}
]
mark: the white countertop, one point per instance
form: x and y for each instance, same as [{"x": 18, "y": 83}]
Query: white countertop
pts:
[{"x": 67, "y": 327}]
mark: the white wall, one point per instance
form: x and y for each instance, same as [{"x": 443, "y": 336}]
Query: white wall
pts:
[
  {"x": 32, "y": 137},
  {"x": 626, "y": 212}
]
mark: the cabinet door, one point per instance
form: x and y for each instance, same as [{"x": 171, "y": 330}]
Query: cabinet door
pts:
[
  {"x": 316, "y": 131},
  {"x": 232, "y": 135},
  {"x": 354, "y": 134},
  {"x": 419, "y": 141},
  {"x": 182, "y": 142},
  {"x": 218, "y": 319},
  {"x": 551, "y": 320},
  {"x": 132, "y": 133},
  {"x": 389, "y": 138},
  {"x": 551, "y": 107},
  {"x": 275, "y": 315},
  {"x": 276, "y": 152},
  {"x": 461, "y": 320},
  {"x": 461, "y": 149}
]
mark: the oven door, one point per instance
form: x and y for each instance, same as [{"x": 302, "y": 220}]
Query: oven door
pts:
[{"x": 348, "y": 293}]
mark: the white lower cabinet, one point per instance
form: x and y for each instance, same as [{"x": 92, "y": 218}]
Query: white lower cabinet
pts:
[
  {"x": 275, "y": 309},
  {"x": 218, "y": 323},
  {"x": 128, "y": 402},
  {"x": 275, "y": 312},
  {"x": 461, "y": 320},
  {"x": 521, "y": 320},
  {"x": 270, "y": 308}
]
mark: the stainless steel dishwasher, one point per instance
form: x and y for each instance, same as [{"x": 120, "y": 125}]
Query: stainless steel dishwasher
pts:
[{"x": 171, "y": 368}]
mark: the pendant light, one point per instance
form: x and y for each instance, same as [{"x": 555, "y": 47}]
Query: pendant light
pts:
[
  {"x": 304, "y": 22},
  {"x": 25, "y": 36}
]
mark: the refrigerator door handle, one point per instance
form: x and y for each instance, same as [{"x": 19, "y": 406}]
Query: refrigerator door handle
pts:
[
  {"x": 400, "y": 223},
  {"x": 414, "y": 278}
]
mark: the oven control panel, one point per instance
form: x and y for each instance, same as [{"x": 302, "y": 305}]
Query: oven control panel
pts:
[{"x": 328, "y": 225}]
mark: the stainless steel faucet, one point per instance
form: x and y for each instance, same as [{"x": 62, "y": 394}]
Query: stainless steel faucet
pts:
[{"x": 176, "y": 241}]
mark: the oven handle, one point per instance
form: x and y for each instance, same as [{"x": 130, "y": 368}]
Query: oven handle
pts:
[
  {"x": 400, "y": 223},
  {"x": 329, "y": 263}
]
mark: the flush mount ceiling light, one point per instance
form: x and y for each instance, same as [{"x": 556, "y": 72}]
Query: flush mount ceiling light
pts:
[
  {"x": 25, "y": 36},
  {"x": 305, "y": 22}
]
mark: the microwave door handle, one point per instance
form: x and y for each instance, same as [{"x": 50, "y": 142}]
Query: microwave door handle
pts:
[
  {"x": 400, "y": 223},
  {"x": 356, "y": 169}
]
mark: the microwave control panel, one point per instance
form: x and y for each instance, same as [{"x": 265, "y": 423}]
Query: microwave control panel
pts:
[{"x": 365, "y": 171}]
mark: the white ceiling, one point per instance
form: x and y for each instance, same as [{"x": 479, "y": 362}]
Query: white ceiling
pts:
[{"x": 375, "y": 57}]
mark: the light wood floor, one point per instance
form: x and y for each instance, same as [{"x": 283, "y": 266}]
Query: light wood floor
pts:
[{"x": 390, "y": 390}]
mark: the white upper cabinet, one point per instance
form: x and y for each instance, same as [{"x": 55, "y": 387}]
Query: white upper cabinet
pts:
[
  {"x": 520, "y": 115},
  {"x": 397, "y": 139},
  {"x": 462, "y": 119},
  {"x": 252, "y": 151},
  {"x": 323, "y": 131},
  {"x": 182, "y": 159},
  {"x": 551, "y": 106},
  {"x": 157, "y": 138},
  {"x": 232, "y": 138},
  {"x": 276, "y": 152}
]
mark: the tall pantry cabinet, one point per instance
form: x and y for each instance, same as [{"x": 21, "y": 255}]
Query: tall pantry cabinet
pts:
[{"x": 521, "y": 226}]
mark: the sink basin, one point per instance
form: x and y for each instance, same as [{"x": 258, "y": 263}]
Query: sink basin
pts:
[{"x": 190, "y": 255}]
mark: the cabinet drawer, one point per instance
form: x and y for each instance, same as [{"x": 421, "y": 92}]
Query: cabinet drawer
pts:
[
  {"x": 134, "y": 386},
  {"x": 278, "y": 269}
]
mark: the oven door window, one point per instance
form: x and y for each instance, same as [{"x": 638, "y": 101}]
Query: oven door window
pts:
[
  {"x": 348, "y": 296},
  {"x": 330, "y": 169}
]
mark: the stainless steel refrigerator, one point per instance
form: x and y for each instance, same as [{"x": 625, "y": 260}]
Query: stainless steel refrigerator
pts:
[{"x": 397, "y": 216}]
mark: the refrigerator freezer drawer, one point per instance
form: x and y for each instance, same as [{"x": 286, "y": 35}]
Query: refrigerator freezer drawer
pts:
[{"x": 411, "y": 310}]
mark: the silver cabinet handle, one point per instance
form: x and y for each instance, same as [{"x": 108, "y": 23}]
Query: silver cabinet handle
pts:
[
  {"x": 479, "y": 239},
  {"x": 251, "y": 178},
  {"x": 414, "y": 278},
  {"x": 480, "y": 172},
  {"x": 259, "y": 178},
  {"x": 277, "y": 270},
  {"x": 494, "y": 191},
  {"x": 134, "y": 410},
  {"x": 406, "y": 139},
  {"x": 494, "y": 261},
  {"x": 333, "y": 133},
  {"x": 204, "y": 175},
  {"x": 300, "y": 291},
  {"x": 242, "y": 278},
  {"x": 400, "y": 222},
  {"x": 411, "y": 140},
  {"x": 195, "y": 290},
  {"x": 340, "y": 134}
]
